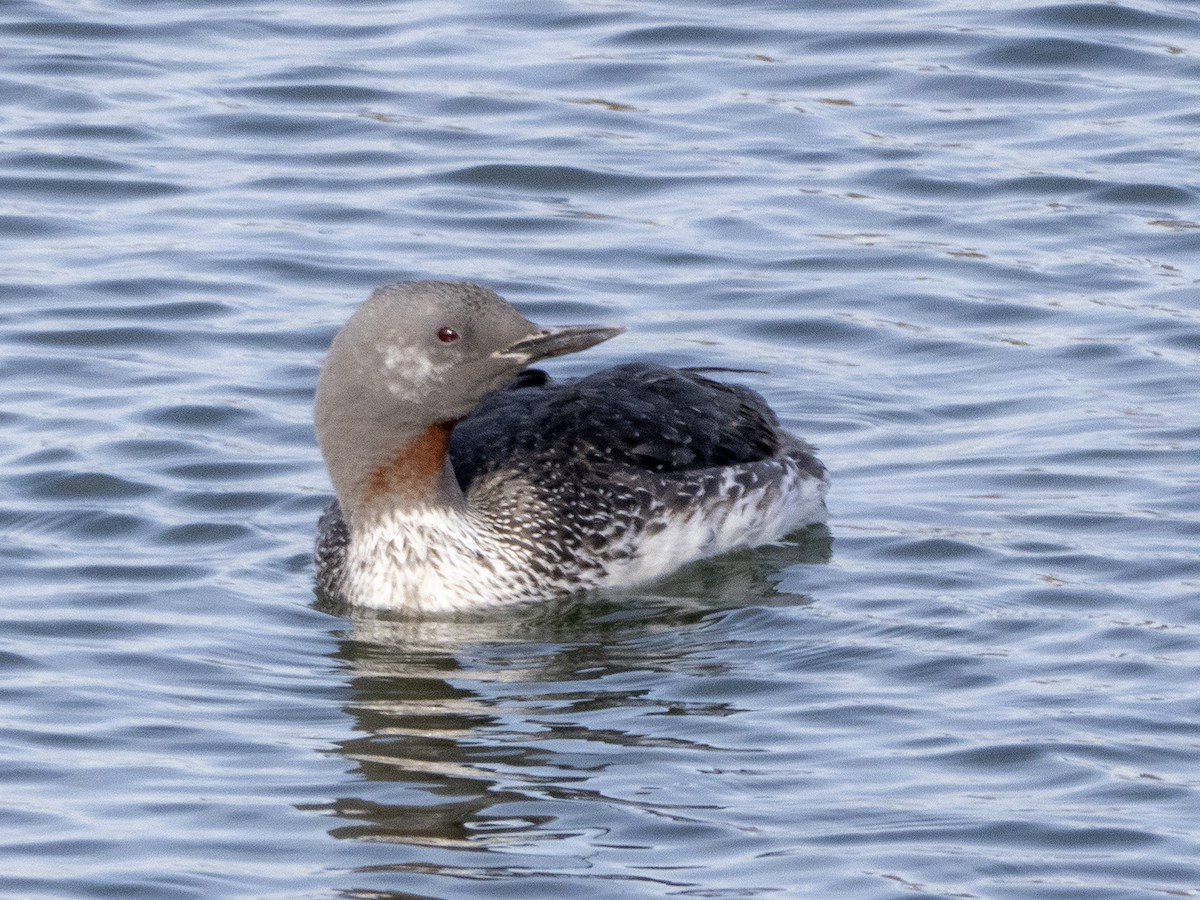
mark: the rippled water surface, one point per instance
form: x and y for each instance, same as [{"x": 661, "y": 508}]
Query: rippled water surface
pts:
[{"x": 963, "y": 246}]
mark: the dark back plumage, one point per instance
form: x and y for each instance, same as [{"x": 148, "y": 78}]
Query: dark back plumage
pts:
[{"x": 642, "y": 416}]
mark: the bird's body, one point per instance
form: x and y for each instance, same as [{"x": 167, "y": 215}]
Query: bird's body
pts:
[{"x": 540, "y": 488}]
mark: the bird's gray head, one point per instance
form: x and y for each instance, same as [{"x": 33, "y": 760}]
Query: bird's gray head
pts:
[{"x": 418, "y": 354}]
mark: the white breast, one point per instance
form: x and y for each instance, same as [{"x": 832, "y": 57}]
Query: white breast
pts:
[{"x": 431, "y": 560}]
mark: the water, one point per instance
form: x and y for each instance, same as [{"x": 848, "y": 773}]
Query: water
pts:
[{"x": 961, "y": 242}]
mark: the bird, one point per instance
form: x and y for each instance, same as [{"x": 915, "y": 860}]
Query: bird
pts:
[{"x": 463, "y": 479}]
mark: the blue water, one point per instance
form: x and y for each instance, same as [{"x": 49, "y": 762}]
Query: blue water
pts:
[{"x": 963, "y": 245}]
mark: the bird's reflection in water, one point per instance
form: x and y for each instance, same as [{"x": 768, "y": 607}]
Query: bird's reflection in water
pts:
[{"x": 504, "y": 730}]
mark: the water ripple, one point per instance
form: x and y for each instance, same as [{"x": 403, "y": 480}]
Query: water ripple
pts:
[{"x": 957, "y": 249}]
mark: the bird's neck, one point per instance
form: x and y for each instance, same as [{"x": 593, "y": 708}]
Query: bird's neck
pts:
[
  {"x": 415, "y": 471},
  {"x": 417, "y": 474}
]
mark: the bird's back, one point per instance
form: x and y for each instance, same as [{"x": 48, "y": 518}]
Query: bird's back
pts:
[{"x": 639, "y": 417}]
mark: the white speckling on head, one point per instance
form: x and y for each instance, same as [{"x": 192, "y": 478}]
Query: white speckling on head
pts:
[{"x": 408, "y": 370}]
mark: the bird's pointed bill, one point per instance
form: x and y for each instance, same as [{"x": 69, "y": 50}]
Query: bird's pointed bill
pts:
[{"x": 550, "y": 342}]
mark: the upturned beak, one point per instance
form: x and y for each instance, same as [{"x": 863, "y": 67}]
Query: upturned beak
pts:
[{"x": 550, "y": 342}]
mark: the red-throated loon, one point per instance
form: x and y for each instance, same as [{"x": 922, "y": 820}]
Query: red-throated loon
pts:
[{"x": 464, "y": 479}]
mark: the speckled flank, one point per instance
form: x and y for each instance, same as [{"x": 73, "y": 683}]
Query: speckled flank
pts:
[{"x": 546, "y": 530}]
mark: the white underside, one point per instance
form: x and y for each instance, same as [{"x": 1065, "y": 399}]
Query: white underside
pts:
[{"x": 441, "y": 559}]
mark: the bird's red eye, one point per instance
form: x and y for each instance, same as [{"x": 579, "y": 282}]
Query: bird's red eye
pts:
[{"x": 447, "y": 335}]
